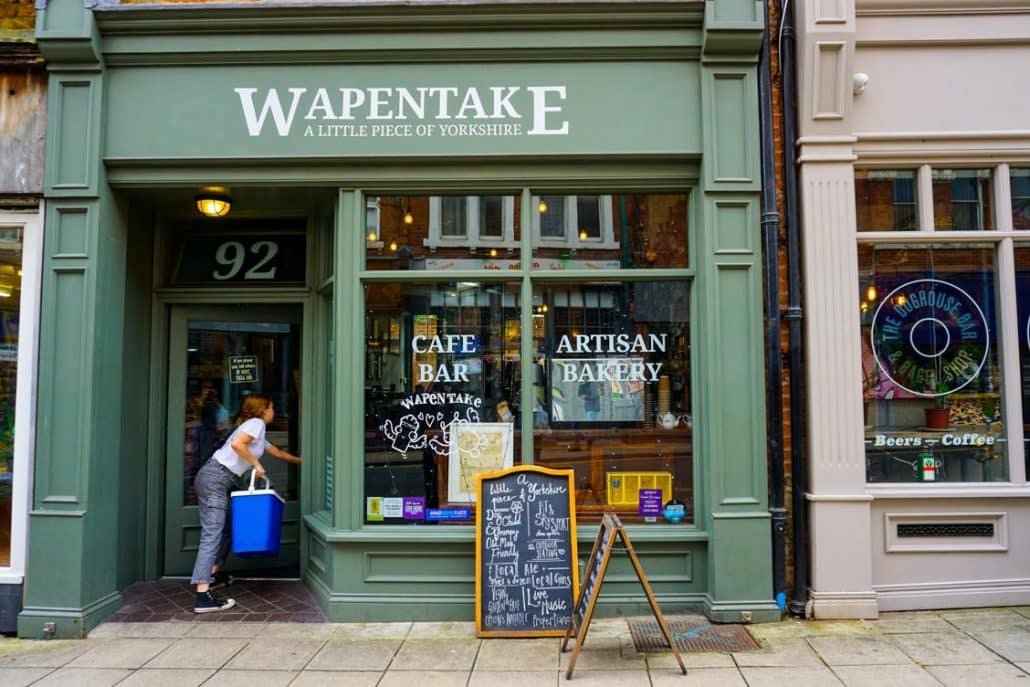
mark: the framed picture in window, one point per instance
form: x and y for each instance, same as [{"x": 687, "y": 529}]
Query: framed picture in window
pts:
[{"x": 476, "y": 448}]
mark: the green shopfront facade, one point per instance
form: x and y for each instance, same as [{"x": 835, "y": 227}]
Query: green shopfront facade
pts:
[{"x": 460, "y": 237}]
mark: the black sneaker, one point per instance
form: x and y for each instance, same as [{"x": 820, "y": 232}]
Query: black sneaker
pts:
[
  {"x": 209, "y": 603},
  {"x": 222, "y": 579}
]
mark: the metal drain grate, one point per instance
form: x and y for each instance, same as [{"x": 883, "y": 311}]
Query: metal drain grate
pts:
[{"x": 692, "y": 634}]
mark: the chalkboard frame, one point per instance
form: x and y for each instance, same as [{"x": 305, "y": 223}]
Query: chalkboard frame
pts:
[
  {"x": 610, "y": 529},
  {"x": 481, "y": 631}
]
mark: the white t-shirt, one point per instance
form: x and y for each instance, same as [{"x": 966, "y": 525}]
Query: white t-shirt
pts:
[{"x": 227, "y": 456}]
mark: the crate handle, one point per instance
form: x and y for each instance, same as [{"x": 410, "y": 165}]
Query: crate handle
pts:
[{"x": 253, "y": 474}]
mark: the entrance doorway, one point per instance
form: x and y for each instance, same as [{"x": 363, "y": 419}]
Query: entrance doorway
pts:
[{"x": 218, "y": 355}]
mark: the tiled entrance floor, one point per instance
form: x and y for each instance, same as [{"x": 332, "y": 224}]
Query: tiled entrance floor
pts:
[{"x": 256, "y": 601}]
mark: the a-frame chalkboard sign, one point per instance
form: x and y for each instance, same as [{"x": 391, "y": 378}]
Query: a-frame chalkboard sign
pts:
[
  {"x": 593, "y": 577},
  {"x": 527, "y": 571}
]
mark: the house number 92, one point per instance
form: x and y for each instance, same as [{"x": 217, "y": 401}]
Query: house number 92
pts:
[{"x": 232, "y": 255}]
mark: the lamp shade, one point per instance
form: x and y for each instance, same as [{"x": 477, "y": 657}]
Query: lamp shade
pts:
[{"x": 213, "y": 203}]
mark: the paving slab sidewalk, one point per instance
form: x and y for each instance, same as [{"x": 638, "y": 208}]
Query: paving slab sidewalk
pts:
[{"x": 954, "y": 648}]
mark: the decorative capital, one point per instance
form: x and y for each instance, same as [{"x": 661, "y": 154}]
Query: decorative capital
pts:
[{"x": 733, "y": 27}]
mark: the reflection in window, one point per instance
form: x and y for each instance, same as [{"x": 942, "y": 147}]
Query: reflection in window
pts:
[
  {"x": 452, "y": 216},
  {"x": 611, "y": 232},
  {"x": 885, "y": 200},
  {"x": 931, "y": 379},
  {"x": 441, "y": 392},
  {"x": 962, "y": 199},
  {"x": 10, "y": 301},
  {"x": 611, "y": 394},
  {"x": 1020, "y": 184}
]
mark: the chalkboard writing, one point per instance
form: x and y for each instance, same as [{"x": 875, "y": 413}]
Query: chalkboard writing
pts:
[{"x": 527, "y": 572}]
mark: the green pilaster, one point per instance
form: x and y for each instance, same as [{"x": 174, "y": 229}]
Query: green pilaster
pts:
[
  {"x": 733, "y": 378},
  {"x": 74, "y": 522}
]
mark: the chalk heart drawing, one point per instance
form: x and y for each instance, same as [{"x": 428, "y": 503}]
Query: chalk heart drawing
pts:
[{"x": 412, "y": 431}]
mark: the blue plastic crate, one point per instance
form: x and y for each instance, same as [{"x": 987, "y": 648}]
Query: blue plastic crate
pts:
[{"x": 257, "y": 521}]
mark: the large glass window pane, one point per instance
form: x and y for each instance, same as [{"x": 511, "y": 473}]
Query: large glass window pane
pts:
[
  {"x": 10, "y": 302},
  {"x": 885, "y": 200},
  {"x": 1020, "y": 184},
  {"x": 963, "y": 200},
  {"x": 931, "y": 378},
  {"x": 611, "y": 394},
  {"x": 1023, "y": 307},
  {"x": 628, "y": 231},
  {"x": 441, "y": 393},
  {"x": 434, "y": 233}
]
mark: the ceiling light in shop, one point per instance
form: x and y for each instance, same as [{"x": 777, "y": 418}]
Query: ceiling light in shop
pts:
[{"x": 214, "y": 201}]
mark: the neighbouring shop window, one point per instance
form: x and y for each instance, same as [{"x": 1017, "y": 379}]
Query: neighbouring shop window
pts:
[
  {"x": 885, "y": 200},
  {"x": 610, "y": 231},
  {"x": 11, "y": 239},
  {"x": 611, "y": 393},
  {"x": 441, "y": 393},
  {"x": 963, "y": 199},
  {"x": 1020, "y": 185},
  {"x": 930, "y": 363},
  {"x": 1023, "y": 308}
]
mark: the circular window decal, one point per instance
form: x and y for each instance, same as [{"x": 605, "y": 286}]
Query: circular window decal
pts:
[{"x": 930, "y": 337}]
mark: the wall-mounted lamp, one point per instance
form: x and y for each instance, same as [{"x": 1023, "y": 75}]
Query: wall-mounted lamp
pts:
[
  {"x": 859, "y": 81},
  {"x": 214, "y": 201}
]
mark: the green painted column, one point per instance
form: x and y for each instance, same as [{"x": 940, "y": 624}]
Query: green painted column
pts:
[
  {"x": 74, "y": 521},
  {"x": 733, "y": 374}
]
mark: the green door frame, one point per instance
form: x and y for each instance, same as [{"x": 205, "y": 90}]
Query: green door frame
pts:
[{"x": 176, "y": 516}]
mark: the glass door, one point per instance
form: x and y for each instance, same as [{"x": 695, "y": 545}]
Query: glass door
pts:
[{"x": 217, "y": 356}]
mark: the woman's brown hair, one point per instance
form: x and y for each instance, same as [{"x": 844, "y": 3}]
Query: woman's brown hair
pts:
[{"x": 254, "y": 405}]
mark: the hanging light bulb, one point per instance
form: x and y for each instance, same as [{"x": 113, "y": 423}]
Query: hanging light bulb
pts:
[
  {"x": 408, "y": 217},
  {"x": 393, "y": 246},
  {"x": 870, "y": 293},
  {"x": 583, "y": 234},
  {"x": 372, "y": 236},
  {"x": 493, "y": 252},
  {"x": 901, "y": 300},
  {"x": 542, "y": 206}
]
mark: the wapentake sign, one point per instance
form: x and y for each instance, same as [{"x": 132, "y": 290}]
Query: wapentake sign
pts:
[
  {"x": 445, "y": 111},
  {"x": 413, "y": 110}
]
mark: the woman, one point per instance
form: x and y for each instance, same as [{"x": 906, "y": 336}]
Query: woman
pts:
[{"x": 241, "y": 451}]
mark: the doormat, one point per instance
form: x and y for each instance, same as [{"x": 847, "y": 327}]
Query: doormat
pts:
[{"x": 692, "y": 634}]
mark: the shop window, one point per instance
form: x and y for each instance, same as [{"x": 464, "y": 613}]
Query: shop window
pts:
[
  {"x": 1020, "y": 184},
  {"x": 11, "y": 239},
  {"x": 611, "y": 393},
  {"x": 931, "y": 386},
  {"x": 592, "y": 232},
  {"x": 963, "y": 199},
  {"x": 606, "y": 386},
  {"x": 885, "y": 200},
  {"x": 441, "y": 393},
  {"x": 1023, "y": 308}
]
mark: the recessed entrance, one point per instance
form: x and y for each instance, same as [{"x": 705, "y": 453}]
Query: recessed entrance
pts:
[{"x": 217, "y": 355}]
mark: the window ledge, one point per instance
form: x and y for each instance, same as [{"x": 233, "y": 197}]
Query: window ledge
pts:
[
  {"x": 460, "y": 534},
  {"x": 948, "y": 491}
]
